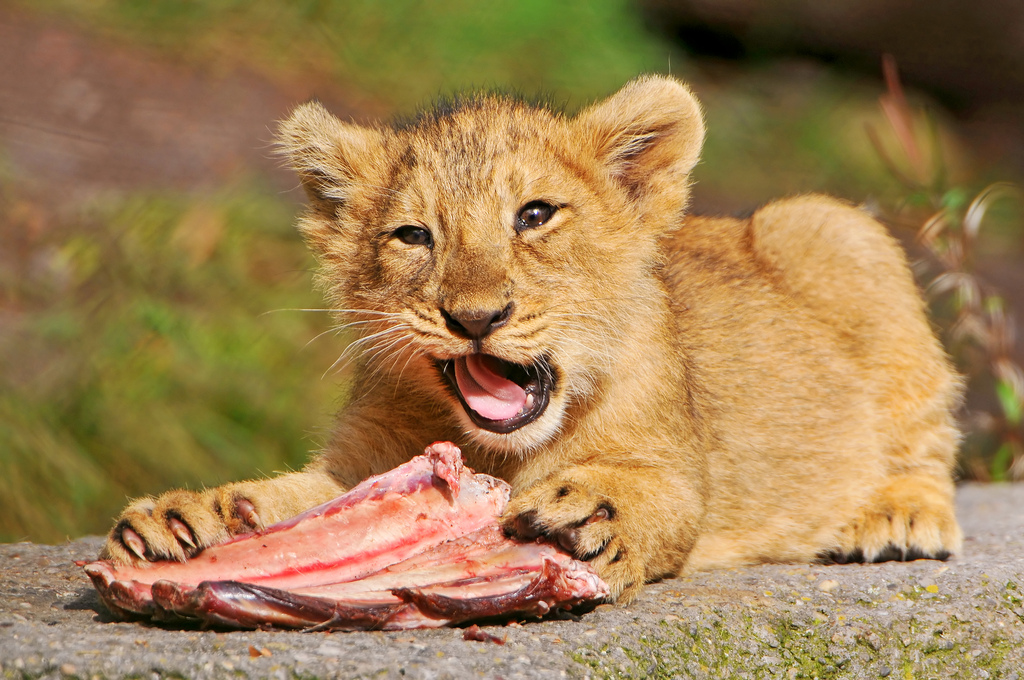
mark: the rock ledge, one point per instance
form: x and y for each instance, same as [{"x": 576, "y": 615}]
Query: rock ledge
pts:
[{"x": 924, "y": 619}]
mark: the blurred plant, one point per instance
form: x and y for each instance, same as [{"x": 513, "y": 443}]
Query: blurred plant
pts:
[
  {"x": 979, "y": 326},
  {"x": 401, "y": 52},
  {"x": 136, "y": 355}
]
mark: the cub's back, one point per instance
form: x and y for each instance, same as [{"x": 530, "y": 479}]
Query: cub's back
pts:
[{"x": 820, "y": 372}]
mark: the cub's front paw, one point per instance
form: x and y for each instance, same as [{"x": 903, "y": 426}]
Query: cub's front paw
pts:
[
  {"x": 178, "y": 524},
  {"x": 588, "y": 524}
]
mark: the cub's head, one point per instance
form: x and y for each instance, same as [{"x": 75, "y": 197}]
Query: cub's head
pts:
[{"x": 496, "y": 256}]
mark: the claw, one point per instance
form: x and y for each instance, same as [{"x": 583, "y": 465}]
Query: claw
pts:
[
  {"x": 181, "y": 531},
  {"x": 247, "y": 512},
  {"x": 134, "y": 542}
]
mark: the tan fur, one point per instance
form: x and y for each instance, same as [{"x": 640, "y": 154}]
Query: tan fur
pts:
[{"x": 728, "y": 391}]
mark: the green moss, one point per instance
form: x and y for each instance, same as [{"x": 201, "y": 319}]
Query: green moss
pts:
[
  {"x": 710, "y": 650},
  {"x": 1013, "y": 600},
  {"x": 707, "y": 649},
  {"x": 995, "y": 660}
]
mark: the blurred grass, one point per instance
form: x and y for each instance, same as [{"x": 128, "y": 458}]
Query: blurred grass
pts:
[
  {"x": 135, "y": 349},
  {"x": 400, "y": 52},
  {"x": 135, "y": 354},
  {"x": 785, "y": 128},
  {"x": 774, "y": 127}
]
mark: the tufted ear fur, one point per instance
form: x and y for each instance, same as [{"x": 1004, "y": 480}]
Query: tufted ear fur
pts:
[
  {"x": 330, "y": 156},
  {"x": 649, "y": 135}
]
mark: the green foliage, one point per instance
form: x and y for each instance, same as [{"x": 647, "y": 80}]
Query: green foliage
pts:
[
  {"x": 140, "y": 356},
  {"x": 402, "y": 52},
  {"x": 773, "y": 133},
  {"x": 1009, "y": 402}
]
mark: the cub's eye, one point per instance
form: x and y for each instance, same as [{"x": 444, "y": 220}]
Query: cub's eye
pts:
[
  {"x": 414, "y": 236},
  {"x": 534, "y": 214}
]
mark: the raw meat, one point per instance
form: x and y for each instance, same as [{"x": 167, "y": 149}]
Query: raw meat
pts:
[{"x": 416, "y": 547}]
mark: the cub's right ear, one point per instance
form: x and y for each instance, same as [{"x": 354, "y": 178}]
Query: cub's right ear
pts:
[
  {"x": 648, "y": 135},
  {"x": 330, "y": 156}
]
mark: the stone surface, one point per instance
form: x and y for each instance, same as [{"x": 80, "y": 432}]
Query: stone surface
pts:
[{"x": 924, "y": 619}]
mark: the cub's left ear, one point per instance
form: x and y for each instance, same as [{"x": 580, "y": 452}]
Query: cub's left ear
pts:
[{"x": 649, "y": 135}]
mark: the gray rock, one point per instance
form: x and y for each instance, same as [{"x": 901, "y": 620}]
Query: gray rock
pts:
[{"x": 962, "y": 618}]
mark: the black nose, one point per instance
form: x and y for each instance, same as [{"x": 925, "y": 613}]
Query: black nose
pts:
[{"x": 476, "y": 324}]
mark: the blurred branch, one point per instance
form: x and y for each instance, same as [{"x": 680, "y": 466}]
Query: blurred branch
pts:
[
  {"x": 950, "y": 235},
  {"x": 900, "y": 117}
]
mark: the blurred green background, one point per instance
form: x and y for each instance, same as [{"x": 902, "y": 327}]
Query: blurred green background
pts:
[{"x": 151, "y": 281}]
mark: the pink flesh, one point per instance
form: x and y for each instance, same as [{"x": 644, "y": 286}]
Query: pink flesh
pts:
[
  {"x": 486, "y": 552},
  {"x": 483, "y": 555},
  {"x": 402, "y": 572},
  {"x": 532, "y": 590},
  {"x": 380, "y": 522},
  {"x": 479, "y": 553},
  {"x": 486, "y": 392}
]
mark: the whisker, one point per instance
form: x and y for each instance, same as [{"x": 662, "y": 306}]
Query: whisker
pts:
[
  {"x": 376, "y": 364},
  {"x": 331, "y": 309},
  {"x": 332, "y": 329},
  {"x": 413, "y": 352},
  {"x": 357, "y": 347},
  {"x": 371, "y": 344},
  {"x": 412, "y": 355}
]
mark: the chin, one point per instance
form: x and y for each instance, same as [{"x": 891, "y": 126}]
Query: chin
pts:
[{"x": 521, "y": 441}]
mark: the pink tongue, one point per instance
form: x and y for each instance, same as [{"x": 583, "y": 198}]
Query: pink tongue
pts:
[{"x": 485, "y": 391}]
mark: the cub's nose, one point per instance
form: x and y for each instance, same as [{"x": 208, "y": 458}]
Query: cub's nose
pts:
[{"x": 476, "y": 324}]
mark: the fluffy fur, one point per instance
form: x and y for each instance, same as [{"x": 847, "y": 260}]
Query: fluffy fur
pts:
[{"x": 725, "y": 391}]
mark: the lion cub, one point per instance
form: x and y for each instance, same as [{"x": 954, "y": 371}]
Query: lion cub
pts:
[{"x": 664, "y": 392}]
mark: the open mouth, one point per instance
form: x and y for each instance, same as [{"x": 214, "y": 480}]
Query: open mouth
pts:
[{"x": 498, "y": 395}]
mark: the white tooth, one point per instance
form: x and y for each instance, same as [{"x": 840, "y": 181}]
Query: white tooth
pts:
[{"x": 529, "y": 402}]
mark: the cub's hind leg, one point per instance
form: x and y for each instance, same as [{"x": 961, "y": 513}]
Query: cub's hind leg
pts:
[
  {"x": 909, "y": 518},
  {"x": 911, "y": 514},
  {"x": 853, "y": 276}
]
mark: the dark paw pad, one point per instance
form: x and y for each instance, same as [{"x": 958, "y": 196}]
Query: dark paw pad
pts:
[
  {"x": 855, "y": 556},
  {"x": 890, "y": 553},
  {"x": 893, "y": 553},
  {"x": 915, "y": 553}
]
